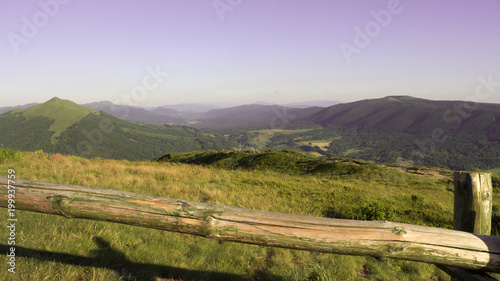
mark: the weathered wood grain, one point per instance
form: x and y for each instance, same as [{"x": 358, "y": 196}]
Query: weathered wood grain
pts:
[
  {"x": 473, "y": 202},
  {"x": 472, "y": 212},
  {"x": 377, "y": 239}
]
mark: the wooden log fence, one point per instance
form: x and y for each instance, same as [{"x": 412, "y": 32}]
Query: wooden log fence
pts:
[{"x": 454, "y": 251}]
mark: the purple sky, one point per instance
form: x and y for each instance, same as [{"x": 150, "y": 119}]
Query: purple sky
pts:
[{"x": 276, "y": 51}]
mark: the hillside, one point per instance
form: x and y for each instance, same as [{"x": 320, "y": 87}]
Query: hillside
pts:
[
  {"x": 403, "y": 130},
  {"x": 313, "y": 103},
  {"x": 291, "y": 162},
  {"x": 410, "y": 115},
  {"x": 65, "y": 127},
  {"x": 74, "y": 249},
  {"x": 63, "y": 113},
  {"x": 253, "y": 117}
]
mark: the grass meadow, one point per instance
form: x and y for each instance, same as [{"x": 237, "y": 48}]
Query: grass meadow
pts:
[{"x": 55, "y": 248}]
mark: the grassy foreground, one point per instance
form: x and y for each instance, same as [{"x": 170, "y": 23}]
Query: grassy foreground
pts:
[{"x": 55, "y": 248}]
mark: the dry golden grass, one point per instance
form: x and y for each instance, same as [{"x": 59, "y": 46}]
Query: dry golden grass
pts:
[{"x": 135, "y": 253}]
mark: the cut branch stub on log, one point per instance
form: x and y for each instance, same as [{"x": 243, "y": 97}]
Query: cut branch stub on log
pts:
[{"x": 377, "y": 239}]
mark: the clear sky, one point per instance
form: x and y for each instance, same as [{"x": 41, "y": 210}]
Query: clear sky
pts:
[{"x": 243, "y": 51}]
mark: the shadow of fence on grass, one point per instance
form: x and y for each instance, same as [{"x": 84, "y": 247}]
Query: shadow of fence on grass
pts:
[{"x": 108, "y": 257}]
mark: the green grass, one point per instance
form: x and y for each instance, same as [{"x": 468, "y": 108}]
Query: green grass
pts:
[
  {"x": 351, "y": 151},
  {"x": 56, "y": 248},
  {"x": 287, "y": 161},
  {"x": 261, "y": 137},
  {"x": 323, "y": 144},
  {"x": 496, "y": 170},
  {"x": 7, "y": 154},
  {"x": 281, "y": 131}
]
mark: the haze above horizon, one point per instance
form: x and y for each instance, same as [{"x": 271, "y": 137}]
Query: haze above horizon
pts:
[{"x": 154, "y": 53}]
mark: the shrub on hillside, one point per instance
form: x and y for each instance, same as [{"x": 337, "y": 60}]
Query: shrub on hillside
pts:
[
  {"x": 376, "y": 212},
  {"x": 6, "y": 154}
]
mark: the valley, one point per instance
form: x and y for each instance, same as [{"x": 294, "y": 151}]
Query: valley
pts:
[
  {"x": 384, "y": 159},
  {"x": 393, "y": 130}
]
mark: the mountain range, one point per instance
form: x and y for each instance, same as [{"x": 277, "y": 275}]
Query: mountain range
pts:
[
  {"x": 63, "y": 126},
  {"x": 158, "y": 116},
  {"x": 210, "y": 118},
  {"x": 394, "y": 130},
  {"x": 452, "y": 134},
  {"x": 9, "y": 108}
]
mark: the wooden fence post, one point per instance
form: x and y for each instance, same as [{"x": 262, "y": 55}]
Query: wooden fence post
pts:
[
  {"x": 473, "y": 202},
  {"x": 472, "y": 213}
]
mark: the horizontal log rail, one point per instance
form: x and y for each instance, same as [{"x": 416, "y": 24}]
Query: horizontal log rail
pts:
[{"x": 367, "y": 238}]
